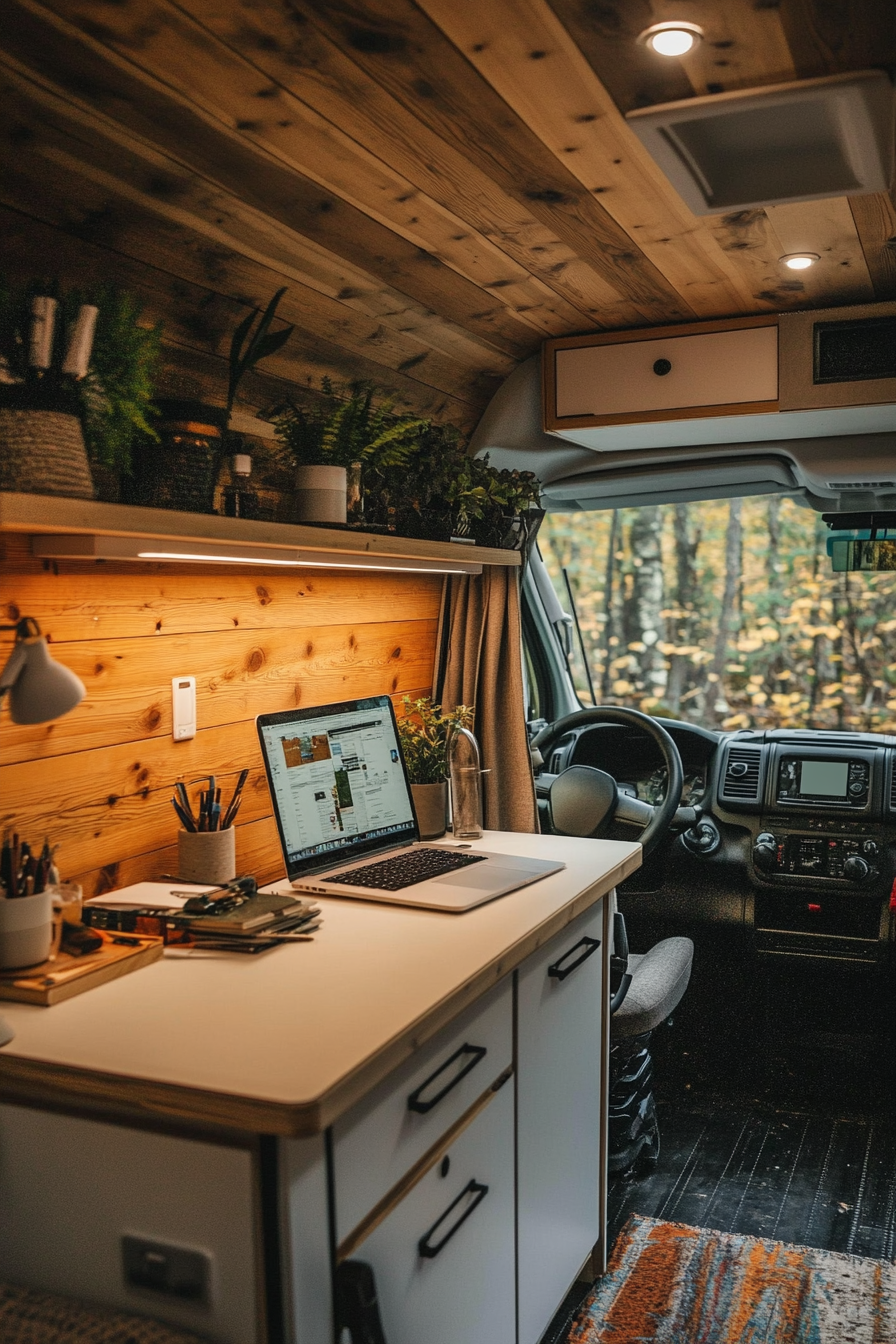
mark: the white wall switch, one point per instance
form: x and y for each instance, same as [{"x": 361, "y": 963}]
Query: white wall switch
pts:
[{"x": 183, "y": 708}]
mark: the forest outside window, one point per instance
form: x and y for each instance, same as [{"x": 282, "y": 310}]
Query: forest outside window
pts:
[{"x": 726, "y": 613}]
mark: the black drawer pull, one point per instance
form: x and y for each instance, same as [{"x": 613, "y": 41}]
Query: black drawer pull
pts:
[
  {"x": 559, "y": 972},
  {"x": 415, "y": 1100},
  {"x": 430, "y": 1250}
]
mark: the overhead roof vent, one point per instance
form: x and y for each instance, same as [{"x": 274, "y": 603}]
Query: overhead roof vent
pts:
[{"x": 787, "y": 142}]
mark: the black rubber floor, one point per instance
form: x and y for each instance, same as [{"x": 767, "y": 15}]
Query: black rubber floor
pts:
[{"x": 791, "y": 1137}]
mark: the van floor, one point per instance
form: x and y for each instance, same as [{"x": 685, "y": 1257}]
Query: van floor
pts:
[{"x": 788, "y": 1134}]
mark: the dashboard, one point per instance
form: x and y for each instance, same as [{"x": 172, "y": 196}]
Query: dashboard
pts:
[{"x": 794, "y": 841}]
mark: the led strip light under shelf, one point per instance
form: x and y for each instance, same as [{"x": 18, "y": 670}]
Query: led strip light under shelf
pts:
[{"x": 88, "y": 546}]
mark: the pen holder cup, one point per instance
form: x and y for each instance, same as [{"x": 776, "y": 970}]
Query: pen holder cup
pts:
[
  {"x": 26, "y": 930},
  {"x": 206, "y": 856}
]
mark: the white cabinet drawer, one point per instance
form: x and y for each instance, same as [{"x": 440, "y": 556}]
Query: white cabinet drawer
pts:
[
  {"x": 376, "y": 1142},
  {"x": 560, "y": 1006},
  {"x": 443, "y": 1259},
  {"x": 631, "y": 378}
]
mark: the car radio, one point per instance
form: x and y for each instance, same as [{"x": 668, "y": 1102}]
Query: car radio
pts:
[{"x": 818, "y": 781}]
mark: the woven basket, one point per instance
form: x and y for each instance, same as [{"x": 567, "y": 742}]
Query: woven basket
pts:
[{"x": 42, "y": 453}]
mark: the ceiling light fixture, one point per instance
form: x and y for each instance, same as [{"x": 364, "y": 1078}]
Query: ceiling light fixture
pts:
[
  {"x": 675, "y": 38},
  {"x": 800, "y": 261}
]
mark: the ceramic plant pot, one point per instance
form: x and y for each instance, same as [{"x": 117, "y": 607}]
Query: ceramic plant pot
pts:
[
  {"x": 320, "y": 495},
  {"x": 431, "y": 806}
]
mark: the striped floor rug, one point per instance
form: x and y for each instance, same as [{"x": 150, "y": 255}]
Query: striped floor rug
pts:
[{"x": 671, "y": 1284}]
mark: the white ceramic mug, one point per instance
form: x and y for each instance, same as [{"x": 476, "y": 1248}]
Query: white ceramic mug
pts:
[{"x": 26, "y": 930}]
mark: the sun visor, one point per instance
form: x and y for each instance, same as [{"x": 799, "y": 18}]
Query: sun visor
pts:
[{"x": 675, "y": 483}]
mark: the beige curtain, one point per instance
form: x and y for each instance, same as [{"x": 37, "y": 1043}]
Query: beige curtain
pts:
[{"x": 481, "y": 665}]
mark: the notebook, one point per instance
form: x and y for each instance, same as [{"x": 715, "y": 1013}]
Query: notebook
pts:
[{"x": 346, "y": 821}]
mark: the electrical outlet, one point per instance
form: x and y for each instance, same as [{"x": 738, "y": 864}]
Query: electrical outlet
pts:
[
  {"x": 183, "y": 708},
  {"x": 162, "y": 1268}
]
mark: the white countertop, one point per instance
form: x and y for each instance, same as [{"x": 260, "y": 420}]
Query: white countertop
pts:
[{"x": 286, "y": 1041}]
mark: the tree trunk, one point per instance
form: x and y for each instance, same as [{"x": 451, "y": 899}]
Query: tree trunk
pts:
[
  {"x": 716, "y": 701},
  {"x": 647, "y": 599},
  {"x": 685, "y": 593},
  {"x": 609, "y": 629}
]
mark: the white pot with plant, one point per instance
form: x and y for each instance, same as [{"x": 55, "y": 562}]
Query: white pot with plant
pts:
[
  {"x": 342, "y": 429},
  {"x": 425, "y": 734}
]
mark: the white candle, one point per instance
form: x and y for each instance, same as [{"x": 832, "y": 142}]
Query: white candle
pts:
[
  {"x": 43, "y": 320},
  {"x": 80, "y": 344}
]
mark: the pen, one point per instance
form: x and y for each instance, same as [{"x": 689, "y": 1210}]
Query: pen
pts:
[
  {"x": 234, "y": 804},
  {"x": 185, "y": 819}
]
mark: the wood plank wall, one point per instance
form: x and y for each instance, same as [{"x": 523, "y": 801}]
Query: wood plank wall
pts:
[{"x": 99, "y": 780}]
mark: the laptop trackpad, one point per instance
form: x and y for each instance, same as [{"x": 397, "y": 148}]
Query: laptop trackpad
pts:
[{"x": 480, "y": 877}]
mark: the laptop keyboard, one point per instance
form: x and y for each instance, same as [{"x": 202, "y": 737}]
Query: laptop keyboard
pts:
[{"x": 405, "y": 870}]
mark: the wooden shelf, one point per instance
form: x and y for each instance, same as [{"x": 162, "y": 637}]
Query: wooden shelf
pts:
[{"x": 50, "y": 515}]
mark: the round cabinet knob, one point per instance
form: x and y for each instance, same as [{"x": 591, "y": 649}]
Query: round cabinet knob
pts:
[
  {"x": 765, "y": 852},
  {"x": 661, "y": 367},
  {"x": 856, "y": 869}
]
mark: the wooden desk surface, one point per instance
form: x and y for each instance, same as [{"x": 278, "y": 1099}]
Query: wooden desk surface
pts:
[{"x": 285, "y": 1042}]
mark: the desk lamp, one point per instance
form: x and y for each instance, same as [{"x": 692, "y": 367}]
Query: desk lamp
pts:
[{"x": 39, "y": 688}]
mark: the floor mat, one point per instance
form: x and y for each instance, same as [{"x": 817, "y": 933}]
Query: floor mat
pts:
[{"x": 672, "y": 1284}]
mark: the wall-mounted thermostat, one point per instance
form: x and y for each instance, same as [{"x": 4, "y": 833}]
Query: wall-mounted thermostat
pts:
[{"x": 183, "y": 708}]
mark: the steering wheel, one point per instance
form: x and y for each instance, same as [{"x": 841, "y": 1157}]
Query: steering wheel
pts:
[{"x": 586, "y": 801}]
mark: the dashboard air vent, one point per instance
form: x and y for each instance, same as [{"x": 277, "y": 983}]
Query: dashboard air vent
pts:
[
  {"x": 742, "y": 774},
  {"x": 893, "y": 789}
]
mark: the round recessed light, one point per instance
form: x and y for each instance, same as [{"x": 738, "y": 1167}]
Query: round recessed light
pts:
[
  {"x": 675, "y": 38},
  {"x": 800, "y": 261}
]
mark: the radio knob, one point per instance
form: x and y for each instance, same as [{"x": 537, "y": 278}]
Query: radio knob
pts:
[
  {"x": 857, "y": 787},
  {"x": 870, "y": 849},
  {"x": 856, "y": 869},
  {"x": 765, "y": 852}
]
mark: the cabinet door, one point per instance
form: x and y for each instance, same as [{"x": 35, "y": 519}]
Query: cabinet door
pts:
[
  {"x": 560, "y": 1089},
  {"x": 457, "y": 1288}
]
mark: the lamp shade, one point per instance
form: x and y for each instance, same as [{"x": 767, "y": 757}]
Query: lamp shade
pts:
[{"x": 39, "y": 688}]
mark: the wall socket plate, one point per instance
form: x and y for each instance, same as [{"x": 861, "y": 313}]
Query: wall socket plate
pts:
[
  {"x": 176, "y": 1271},
  {"x": 183, "y": 708}
]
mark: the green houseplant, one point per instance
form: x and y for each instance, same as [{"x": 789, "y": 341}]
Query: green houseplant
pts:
[
  {"x": 48, "y": 399},
  {"x": 346, "y": 429},
  {"x": 182, "y": 472},
  {"x": 424, "y": 735}
]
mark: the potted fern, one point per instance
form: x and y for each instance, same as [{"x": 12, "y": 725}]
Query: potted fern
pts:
[
  {"x": 345, "y": 430},
  {"x": 425, "y": 734}
]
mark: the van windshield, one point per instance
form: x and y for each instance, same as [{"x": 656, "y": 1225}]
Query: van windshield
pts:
[{"x": 726, "y": 613}]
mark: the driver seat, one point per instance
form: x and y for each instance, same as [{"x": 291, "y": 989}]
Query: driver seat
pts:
[{"x": 651, "y": 987}]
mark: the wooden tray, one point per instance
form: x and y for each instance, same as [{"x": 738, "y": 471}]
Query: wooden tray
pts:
[{"x": 53, "y": 981}]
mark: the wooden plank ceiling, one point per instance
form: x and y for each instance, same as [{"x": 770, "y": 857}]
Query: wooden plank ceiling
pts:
[{"x": 440, "y": 184}]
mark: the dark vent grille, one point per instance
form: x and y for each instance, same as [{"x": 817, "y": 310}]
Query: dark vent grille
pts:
[
  {"x": 860, "y": 485},
  {"x": 893, "y": 788},
  {"x": 742, "y": 773}
]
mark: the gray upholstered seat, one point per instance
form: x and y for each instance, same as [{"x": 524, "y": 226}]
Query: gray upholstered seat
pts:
[{"x": 659, "y": 979}]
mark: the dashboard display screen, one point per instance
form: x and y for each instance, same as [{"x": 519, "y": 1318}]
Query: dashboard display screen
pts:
[{"x": 824, "y": 779}]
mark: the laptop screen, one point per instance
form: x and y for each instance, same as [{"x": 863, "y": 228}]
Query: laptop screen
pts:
[{"x": 337, "y": 782}]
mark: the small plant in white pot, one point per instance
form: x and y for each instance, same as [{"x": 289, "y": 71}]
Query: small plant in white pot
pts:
[
  {"x": 425, "y": 734},
  {"x": 345, "y": 428}
]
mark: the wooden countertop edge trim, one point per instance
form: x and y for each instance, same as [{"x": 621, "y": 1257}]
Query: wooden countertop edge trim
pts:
[
  {"x": 119, "y": 1097},
  {"x": 46, "y": 514}
]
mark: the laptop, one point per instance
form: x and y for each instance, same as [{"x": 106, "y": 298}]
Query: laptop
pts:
[{"x": 346, "y": 821}]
